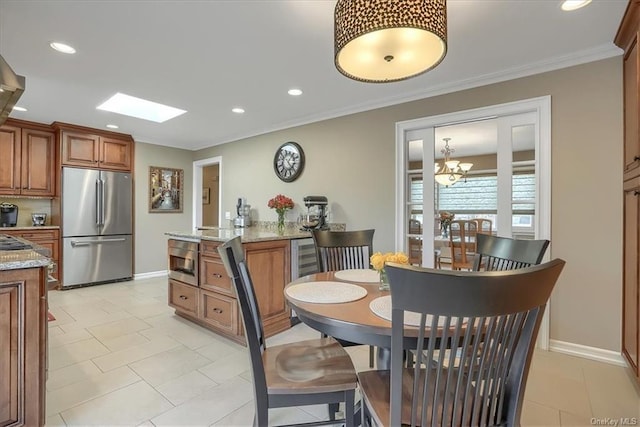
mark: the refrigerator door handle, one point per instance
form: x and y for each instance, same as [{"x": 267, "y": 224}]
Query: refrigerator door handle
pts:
[
  {"x": 101, "y": 202},
  {"x": 75, "y": 243},
  {"x": 98, "y": 202}
]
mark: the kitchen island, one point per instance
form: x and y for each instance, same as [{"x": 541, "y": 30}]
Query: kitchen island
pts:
[
  {"x": 23, "y": 336},
  {"x": 209, "y": 299}
]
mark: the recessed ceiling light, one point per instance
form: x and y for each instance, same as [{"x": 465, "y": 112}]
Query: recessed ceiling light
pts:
[
  {"x": 61, "y": 47},
  {"x": 294, "y": 92},
  {"x": 140, "y": 108},
  {"x": 569, "y": 5},
  {"x": 238, "y": 110},
  {"x": 19, "y": 108},
  {"x": 112, "y": 126}
]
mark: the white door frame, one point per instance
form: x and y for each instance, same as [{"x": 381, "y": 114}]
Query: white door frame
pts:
[
  {"x": 197, "y": 189},
  {"x": 410, "y": 129}
]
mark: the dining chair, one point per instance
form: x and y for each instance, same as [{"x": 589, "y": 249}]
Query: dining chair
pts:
[
  {"x": 462, "y": 241},
  {"x": 344, "y": 250},
  {"x": 485, "y": 225},
  {"x": 494, "y": 315},
  {"x": 301, "y": 373},
  {"x": 495, "y": 253}
]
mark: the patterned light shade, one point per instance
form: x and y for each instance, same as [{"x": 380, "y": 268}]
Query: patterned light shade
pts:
[{"x": 381, "y": 41}]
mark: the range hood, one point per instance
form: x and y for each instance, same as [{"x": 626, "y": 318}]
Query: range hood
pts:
[{"x": 11, "y": 88}]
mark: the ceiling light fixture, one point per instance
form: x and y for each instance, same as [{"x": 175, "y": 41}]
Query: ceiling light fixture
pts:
[
  {"x": 16, "y": 108},
  {"x": 569, "y": 5},
  {"x": 452, "y": 170},
  {"x": 380, "y": 41},
  {"x": 140, "y": 108},
  {"x": 238, "y": 110},
  {"x": 61, "y": 47},
  {"x": 294, "y": 92},
  {"x": 112, "y": 126}
]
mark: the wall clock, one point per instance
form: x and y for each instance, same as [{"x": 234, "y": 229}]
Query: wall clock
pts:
[{"x": 288, "y": 161}]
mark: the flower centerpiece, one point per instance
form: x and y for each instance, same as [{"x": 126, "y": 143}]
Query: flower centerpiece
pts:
[
  {"x": 378, "y": 261},
  {"x": 445, "y": 222},
  {"x": 281, "y": 204}
]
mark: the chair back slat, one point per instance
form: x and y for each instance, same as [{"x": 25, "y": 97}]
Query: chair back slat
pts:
[
  {"x": 343, "y": 250},
  {"x": 495, "y": 253},
  {"x": 462, "y": 241},
  {"x": 492, "y": 319}
]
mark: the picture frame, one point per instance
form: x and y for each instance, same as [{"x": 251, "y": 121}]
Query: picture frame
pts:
[
  {"x": 206, "y": 193},
  {"x": 165, "y": 189}
]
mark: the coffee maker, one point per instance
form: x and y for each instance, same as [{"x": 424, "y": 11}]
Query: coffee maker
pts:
[
  {"x": 8, "y": 215},
  {"x": 316, "y": 216},
  {"x": 243, "y": 210}
]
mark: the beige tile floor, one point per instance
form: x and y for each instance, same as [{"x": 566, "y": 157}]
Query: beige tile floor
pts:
[{"x": 119, "y": 356}]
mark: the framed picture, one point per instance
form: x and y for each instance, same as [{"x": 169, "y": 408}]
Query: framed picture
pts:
[
  {"x": 205, "y": 195},
  {"x": 165, "y": 189}
]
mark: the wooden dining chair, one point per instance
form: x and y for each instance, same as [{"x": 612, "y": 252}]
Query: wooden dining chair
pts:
[
  {"x": 485, "y": 225},
  {"x": 462, "y": 241},
  {"x": 495, "y": 253},
  {"x": 300, "y": 373},
  {"x": 494, "y": 315},
  {"x": 344, "y": 250}
]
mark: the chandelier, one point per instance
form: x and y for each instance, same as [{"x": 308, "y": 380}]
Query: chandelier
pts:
[
  {"x": 379, "y": 41},
  {"x": 452, "y": 170}
]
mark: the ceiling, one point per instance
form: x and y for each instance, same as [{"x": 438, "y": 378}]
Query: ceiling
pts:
[{"x": 207, "y": 57}]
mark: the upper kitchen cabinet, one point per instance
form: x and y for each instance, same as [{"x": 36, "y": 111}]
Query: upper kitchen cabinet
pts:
[
  {"x": 627, "y": 39},
  {"x": 27, "y": 164},
  {"x": 91, "y": 148}
]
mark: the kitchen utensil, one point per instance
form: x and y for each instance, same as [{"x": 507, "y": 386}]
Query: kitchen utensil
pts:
[
  {"x": 8, "y": 215},
  {"x": 38, "y": 219}
]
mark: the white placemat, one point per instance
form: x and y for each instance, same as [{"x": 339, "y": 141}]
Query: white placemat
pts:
[
  {"x": 326, "y": 292},
  {"x": 363, "y": 275},
  {"x": 381, "y": 307}
]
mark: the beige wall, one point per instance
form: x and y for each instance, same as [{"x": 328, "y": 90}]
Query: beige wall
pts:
[
  {"x": 150, "y": 241},
  {"x": 351, "y": 161}
]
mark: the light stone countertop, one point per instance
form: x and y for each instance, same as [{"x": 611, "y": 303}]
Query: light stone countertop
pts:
[
  {"x": 30, "y": 228},
  {"x": 25, "y": 258},
  {"x": 249, "y": 234}
]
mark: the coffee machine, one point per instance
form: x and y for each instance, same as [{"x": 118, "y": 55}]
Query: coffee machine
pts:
[
  {"x": 243, "y": 210},
  {"x": 316, "y": 216},
  {"x": 8, "y": 215}
]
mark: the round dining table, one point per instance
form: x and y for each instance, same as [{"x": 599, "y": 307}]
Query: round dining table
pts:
[{"x": 352, "y": 321}]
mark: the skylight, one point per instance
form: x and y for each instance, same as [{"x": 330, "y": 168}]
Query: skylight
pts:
[{"x": 140, "y": 108}]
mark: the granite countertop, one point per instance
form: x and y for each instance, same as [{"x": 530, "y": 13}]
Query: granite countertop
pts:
[
  {"x": 249, "y": 234},
  {"x": 25, "y": 258},
  {"x": 30, "y": 228}
]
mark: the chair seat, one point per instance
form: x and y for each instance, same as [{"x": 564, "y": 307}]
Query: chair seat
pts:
[
  {"x": 374, "y": 386},
  {"x": 311, "y": 366}
]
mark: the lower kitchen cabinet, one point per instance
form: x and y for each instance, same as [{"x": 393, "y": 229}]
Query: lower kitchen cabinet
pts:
[
  {"x": 631, "y": 274},
  {"x": 213, "y": 303},
  {"x": 23, "y": 346},
  {"x": 47, "y": 238}
]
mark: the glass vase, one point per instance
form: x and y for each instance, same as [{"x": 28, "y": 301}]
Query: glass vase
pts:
[
  {"x": 280, "y": 222},
  {"x": 384, "y": 280}
]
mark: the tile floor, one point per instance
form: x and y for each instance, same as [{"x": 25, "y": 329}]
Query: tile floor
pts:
[{"x": 119, "y": 356}]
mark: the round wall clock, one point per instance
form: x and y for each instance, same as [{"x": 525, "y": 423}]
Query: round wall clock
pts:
[{"x": 288, "y": 161}]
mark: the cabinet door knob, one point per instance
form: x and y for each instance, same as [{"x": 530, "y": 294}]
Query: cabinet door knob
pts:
[
  {"x": 636, "y": 158},
  {"x": 182, "y": 297},
  {"x": 636, "y": 193},
  {"x": 217, "y": 310},
  {"x": 217, "y": 276}
]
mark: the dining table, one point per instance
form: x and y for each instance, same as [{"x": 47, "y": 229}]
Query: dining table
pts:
[{"x": 353, "y": 320}]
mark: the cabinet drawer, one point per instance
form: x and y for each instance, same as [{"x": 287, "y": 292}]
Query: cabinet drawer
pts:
[
  {"x": 37, "y": 236},
  {"x": 183, "y": 297},
  {"x": 209, "y": 248},
  {"x": 219, "y": 311},
  {"x": 213, "y": 276}
]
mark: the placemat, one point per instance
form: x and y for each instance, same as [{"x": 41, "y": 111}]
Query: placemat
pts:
[
  {"x": 326, "y": 292},
  {"x": 381, "y": 307},
  {"x": 363, "y": 275}
]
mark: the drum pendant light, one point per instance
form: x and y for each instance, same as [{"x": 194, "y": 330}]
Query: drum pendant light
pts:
[{"x": 380, "y": 41}]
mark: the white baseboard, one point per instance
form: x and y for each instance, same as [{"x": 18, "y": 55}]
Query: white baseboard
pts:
[
  {"x": 593, "y": 353},
  {"x": 149, "y": 275}
]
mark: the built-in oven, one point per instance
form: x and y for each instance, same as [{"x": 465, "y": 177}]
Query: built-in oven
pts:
[{"x": 183, "y": 261}]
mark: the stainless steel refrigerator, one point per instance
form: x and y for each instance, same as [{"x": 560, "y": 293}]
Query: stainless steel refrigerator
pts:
[{"x": 97, "y": 244}]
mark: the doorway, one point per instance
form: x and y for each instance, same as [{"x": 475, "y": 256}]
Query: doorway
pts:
[{"x": 207, "y": 192}]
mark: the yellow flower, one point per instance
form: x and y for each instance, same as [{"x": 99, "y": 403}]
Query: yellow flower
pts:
[{"x": 379, "y": 259}]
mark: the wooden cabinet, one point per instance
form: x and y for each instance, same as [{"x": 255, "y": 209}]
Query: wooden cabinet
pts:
[
  {"x": 23, "y": 344},
  {"x": 90, "y": 148},
  {"x": 216, "y": 307},
  {"x": 28, "y": 162},
  {"x": 48, "y": 238},
  {"x": 627, "y": 38}
]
